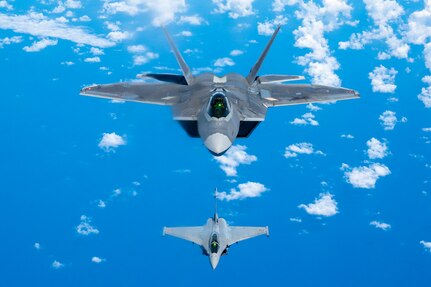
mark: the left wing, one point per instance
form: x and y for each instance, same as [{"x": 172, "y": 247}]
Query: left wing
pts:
[
  {"x": 239, "y": 233},
  {"x": 193, "y": 234},
  {"x": 150, "y": 93},
  {"x": 275, "y": 95}
]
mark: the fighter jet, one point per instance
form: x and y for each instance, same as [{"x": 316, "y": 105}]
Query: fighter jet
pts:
[
  {"x": 219, "y": 109},
  {"x": 216, "y": 236}
]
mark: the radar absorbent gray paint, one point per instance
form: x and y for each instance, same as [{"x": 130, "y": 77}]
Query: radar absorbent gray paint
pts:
[{"x": 219, "y": 109}]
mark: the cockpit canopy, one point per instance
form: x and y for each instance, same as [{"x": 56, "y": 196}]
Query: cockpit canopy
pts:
[
  {"x": 214, "y": 244},
  {"x": 219, "y": 106}
]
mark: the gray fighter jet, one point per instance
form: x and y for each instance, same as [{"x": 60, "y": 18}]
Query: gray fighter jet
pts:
[
  {"x": 215, "y": 236},
  {"x": 219, "y": 109}
]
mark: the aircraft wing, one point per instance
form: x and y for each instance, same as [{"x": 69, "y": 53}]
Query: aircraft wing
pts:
[
  {"x": 193, "y": 234},
  {"x": 150, "y": 93},
  {"x": 275, "y": 95},
  {"x": 239, "y": 233}
]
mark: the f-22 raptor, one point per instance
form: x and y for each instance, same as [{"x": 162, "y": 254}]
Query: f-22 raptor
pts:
[
  {"x": 215, "y": 236},
  {"x": 219, "y": 109}
]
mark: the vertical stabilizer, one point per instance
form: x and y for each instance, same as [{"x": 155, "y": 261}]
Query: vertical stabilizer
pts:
[
  {"x": 255, "y": 69},
  {"x": 186, "y": 70},
  {"x": 215, "y": 206}
]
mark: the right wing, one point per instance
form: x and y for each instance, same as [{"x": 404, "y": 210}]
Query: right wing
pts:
[
  {"x": 275, "y": 95},
  {"x": 239, "y": 233},
  {"x": 193, "y": 234},
  {"x": 150, "y": 93}
]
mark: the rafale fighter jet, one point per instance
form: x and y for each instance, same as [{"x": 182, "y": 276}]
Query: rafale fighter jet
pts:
[
  {"x": 215, "y": 236},
  {"x": 219, "y": 109}
]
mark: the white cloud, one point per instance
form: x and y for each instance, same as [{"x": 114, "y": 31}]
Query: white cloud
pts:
[
  {"x": 85, "y": 227},
  {"x": 68, "y": 63},
  {"x": 245, "y": 190},
  {"x": 279, "y": 5},
  {"x": 376, "y": 149},
  {"x": 97, "y": 260},
  {"x": 4, "y": 4},
  {"x": 235, "y": 53},
  {"x": 11, "y": 40},
  {"x": 425, "y": 95},
  {"x": 96, "y": 51},
  {"x": 312, "y": 107},
  {"x": 426, "y": 129},
  {"x": 118, "y": 36},
  {"x": 295, "y": 219},
  {"x": 73, "y": 4},
  {"x": 316, "y": 21},
  {"x": 145, "y": 58},
  {"x": 163, "y": 11},
  {"x": 388, "y": 120},
  {"x": 136, "y": 49},
  {"x": 301, "y": 148},
  {"x": 234, "y": 157},
  {"x": 40, "y": 45},
  {"x": 306, "y": 119},
  {"x": 382, "y": 79},
  {"x": 222, "y": 62},
  {"x": 384, "y": 13},
  {"x": 101, "y": 204},
  {"x": 365, "y": 176},
  {"x": 38, "y": 25},
  {"x": 380, "y": 225},
  {"x": 192, "y": 20},
  {"x": 235, "y": 8},
  {"x": 186, "y": 33},
  {"x": 347, "y": 136},
  {"x": 85, "y": 18},
  {"x": 37, "y": 245},
  {"x": 110, "y": 141},
  {"x": 57, "y": 264},
  {"x": 267, "y": 28},
  {"x": 426, "y": 245},
  {"x": 92, "y": 60},
  {"x": 325, "y": 205}
]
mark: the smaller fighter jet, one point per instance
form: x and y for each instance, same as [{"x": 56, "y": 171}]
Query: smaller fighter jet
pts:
[{"x": 216, "y": 236}]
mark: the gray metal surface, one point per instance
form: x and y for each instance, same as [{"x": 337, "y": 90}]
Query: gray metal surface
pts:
[
  {"x": 247, "y": 98},
  {"x": 225, "y": 236}
]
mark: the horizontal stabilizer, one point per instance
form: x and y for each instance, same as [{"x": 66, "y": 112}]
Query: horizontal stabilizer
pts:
[
  {"x": 267, "y": 79},
  {"x": 169, "y": 78}
]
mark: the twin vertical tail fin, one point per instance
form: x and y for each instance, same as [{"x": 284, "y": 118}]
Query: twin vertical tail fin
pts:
[
  {"x": 251, "y": 77},
  {"x": 186, "y": 70},
  {"x": 215, "y": 205}
]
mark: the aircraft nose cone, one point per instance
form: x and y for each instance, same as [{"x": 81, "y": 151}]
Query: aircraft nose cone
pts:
[
  {"x": 214, "y": 259},
  {"x": 217, "y": 143}
]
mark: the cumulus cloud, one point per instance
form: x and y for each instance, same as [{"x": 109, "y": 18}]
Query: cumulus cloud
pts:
[
  {"x": 382, "y": 79},
  {"x": 426, "y": 129},
  {"x": 142, "y": 55},
  {"x": 347, "y": 136},
  {"x": 5, "y": 4},
  {"x": 315, "y": 22},
  {"x": 426, "y": 245},
  {"x": 380, "y": 225},
  {"x": 306, "y": 119},
  {"x": 268, "y": 27},
  {"x": 111, "y": 141},
  {"x": 192, "y": 20},
  {"x": 244, "y": 190},
  {"x": 222, "y": 62},
  {"x": 301, "y": 148},
  {"x": 11, "y": 40},
  {"x": 235, "y": 53},
  {"x": 234, "y": 8},
  {"x": 163, "y": 11},
  {"x": 186, "y": 33},
  {"x": 325, "y": 205},
  {"x": 384, "y": 14},
  {"x": 57, "y": 264},
  {"x": 36, "y": 24},
  {"x": 92, "y": 60},
  {"x": 234, "y": 157},
  {"x": 37, "y": 245},
  {"x": 85, "y": 227},
  {"x": 388, "y": 120},
  {"x": 365, "y": 176},
  {"x": 40, "y": 45},
  {"x": 97, "y": 260},
  {"x": 425, "y": 95},
  {"x": 96, "y": 51},
  {"x": 376, "y": 149}
]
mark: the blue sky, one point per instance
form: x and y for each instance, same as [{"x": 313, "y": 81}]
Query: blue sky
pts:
[{"x": 87, "y": 184}]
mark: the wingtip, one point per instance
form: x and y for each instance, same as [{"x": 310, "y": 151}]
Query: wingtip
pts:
[
  {"x": 164, "y": 231},
  {"x": 267, "y": 231}
]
